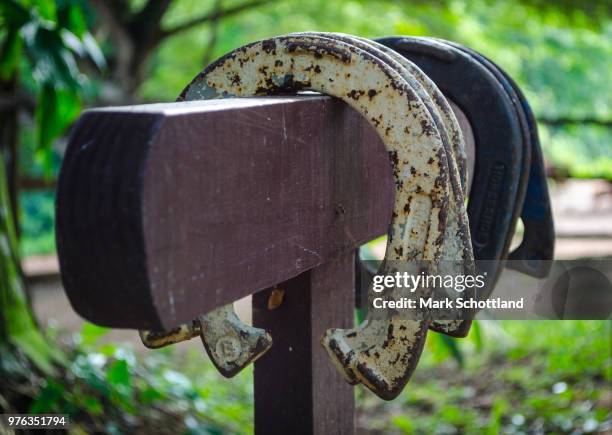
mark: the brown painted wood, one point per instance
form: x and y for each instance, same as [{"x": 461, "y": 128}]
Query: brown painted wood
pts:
[
  {"x": 297, "y": 390},
  {"x": 167, "y": 211}
]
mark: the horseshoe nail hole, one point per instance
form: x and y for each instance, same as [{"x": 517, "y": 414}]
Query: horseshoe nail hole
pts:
[{"x": 243, "y": 310}]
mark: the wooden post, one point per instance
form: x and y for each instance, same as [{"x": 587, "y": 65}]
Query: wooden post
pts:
[
  {"x": 297, "y": 390},
  {"x": 166, "y": 212}
]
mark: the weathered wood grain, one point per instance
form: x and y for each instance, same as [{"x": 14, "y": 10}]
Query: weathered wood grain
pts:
[
  {"x": 167, "y": 211},
  {"x": 297, "y": 389}
]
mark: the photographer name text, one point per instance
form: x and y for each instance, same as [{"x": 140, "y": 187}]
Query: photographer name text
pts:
[{"x": 447, "y": 303}]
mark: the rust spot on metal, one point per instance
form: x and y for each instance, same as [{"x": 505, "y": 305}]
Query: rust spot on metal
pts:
[
  {"x": 394, "y": 158},
  {"x": 354, "y": 94},
  {"x": 269, "y": 46},
  {"x": 319, "y": 50},
  {"x": 427, "y": 128},
  {"x": 157, "y": 339}
]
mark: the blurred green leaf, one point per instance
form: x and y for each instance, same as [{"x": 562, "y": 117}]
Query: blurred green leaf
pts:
[
  {"x": 453, "y": 346},
  {"x": 476, "y": 335},
  {"x": 403, "y": 423},
  {"x": 90, "y": 333},
  {"x": 150, "y": 395},
  {"x": 118, "y": 374},
  {"x": 92, "y": 405},
  {"x": 13, "y": 14},
  {"x": 92, "y": 50},
  {"x": 497, "y": 411},
  {"x": 90, "y": 370},
  {"x": 47, "y": 400},
  {"x": 53, "y": 63},
  {"x": 70, "y": 16},
  {"x": 56, "y": 109},
  {"x": 46, "y": 9},
  {"x": 9, "y": 53}
]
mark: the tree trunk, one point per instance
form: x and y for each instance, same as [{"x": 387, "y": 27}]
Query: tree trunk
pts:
[
  {"x": 10, "y": 274},
  {"x": 11, "y": 283},
  {"x": 19, "y": 333},
  {"x": 9, "y": 141}
]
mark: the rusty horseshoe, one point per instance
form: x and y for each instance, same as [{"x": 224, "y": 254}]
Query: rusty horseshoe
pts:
[
  {"x": 429, "y": 220},
  {"x": 423, "y": 185},
  {"x": 457, "y": 258},
  {"x": 230, "y": 343}
]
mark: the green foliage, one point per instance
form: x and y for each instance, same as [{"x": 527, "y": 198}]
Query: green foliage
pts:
[
  {"x": 46, "y": 37},
  {"x": 583, "y": 151},
  {"x": 441, "y": 346},
  {"x": 530, "y": 377},
  {"x": 522, "y": 380},
  {"x": 37, "y": 223},
  {"x": 108, "y": 389},
  {"x": 91, "y": 333},
  {"x": 52, "y": 36},
  {"x": 558, "y": 52}
]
